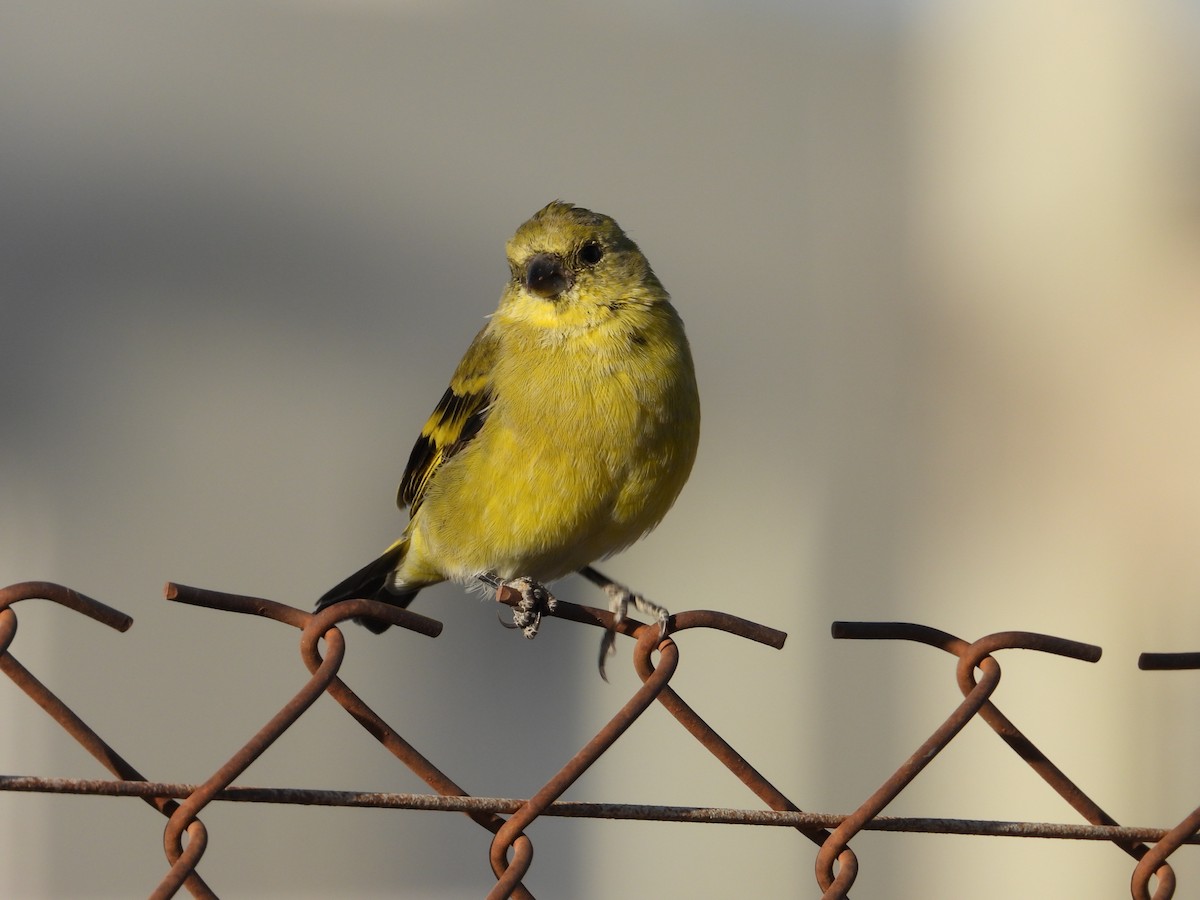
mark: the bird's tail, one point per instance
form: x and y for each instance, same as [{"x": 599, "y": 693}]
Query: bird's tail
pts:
[{"x": 372, "y": 582}]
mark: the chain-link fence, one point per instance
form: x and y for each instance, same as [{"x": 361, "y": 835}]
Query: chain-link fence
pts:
[{"x": 510, "y": 851}]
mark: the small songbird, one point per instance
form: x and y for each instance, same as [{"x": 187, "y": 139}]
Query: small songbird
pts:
[{"x": 568, "y": 429}]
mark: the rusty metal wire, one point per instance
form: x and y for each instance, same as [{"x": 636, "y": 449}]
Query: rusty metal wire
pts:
[
  {"x": 573, "y": 809},
  {"x": 655, "y": 659},
  {"x": 1155, "y": 860},
  {"x": 66, "y": 717},
  {"x": 972, "y": 657}
]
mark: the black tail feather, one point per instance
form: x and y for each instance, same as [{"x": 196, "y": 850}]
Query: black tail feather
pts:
[{"x": 371, "y": 582}]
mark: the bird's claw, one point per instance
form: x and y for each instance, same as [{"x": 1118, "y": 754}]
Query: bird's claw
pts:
[
  {"x": 535, "y": 602},
  {"x": 619, "y": 600}
]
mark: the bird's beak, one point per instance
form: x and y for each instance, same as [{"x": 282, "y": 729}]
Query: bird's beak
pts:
[{"x": 546, "y": 276}]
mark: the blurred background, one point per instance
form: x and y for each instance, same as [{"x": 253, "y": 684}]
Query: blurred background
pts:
[{"x": 939, "y": 265}]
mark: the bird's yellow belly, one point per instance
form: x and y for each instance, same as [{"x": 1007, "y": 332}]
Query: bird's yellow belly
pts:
[{"x": 545, "y": 505}]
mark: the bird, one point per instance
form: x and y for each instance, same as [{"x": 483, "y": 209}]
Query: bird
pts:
[{"x": 567, "y": 432}]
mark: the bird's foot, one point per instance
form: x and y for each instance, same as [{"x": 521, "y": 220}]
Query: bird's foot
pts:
[
  {"x": 535, "y": 602},
  {"x": 619, "y": 600}
]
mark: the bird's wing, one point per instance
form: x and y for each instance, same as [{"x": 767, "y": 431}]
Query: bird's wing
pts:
[{"x": 457, "y": 419}]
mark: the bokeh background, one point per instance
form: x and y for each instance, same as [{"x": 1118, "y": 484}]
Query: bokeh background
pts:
[{"x": 939, "y": 265}]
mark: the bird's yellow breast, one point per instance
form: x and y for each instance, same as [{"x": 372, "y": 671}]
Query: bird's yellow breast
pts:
[{"x": 590, "y": 437}]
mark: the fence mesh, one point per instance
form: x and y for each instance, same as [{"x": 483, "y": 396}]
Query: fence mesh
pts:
[{"x": 656, "y": 659}]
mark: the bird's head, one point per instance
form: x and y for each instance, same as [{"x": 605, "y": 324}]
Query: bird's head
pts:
[{"x": 571, "y": 267}]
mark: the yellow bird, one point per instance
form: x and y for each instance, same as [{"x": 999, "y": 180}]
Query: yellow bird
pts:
[{"x": 568, "y": 429}]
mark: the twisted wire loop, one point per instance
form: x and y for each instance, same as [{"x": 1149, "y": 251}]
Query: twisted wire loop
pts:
[
  {"x": 314, "y": 627},
  {"x": 508, "y": 873},
  {"x": 654, "y": 680},
  {"x": 977, "y": 656},
  {"x": 1037, "y": 760},
  {"x": 338, "y": 689},
  {"x": 836, "y": 848},
  {"x": 701, "y": 730},
  {"x": 63, "y": 714},
  {"x": 1153, "y": 863}
]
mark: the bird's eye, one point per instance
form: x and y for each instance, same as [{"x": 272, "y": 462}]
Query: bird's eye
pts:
[{"x": 591, "y": 253}]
